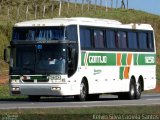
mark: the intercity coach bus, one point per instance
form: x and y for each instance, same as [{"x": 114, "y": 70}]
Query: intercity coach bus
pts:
[{"x": 82, "y": 57}]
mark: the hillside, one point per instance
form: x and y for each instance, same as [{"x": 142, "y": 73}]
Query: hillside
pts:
[{"x": 12, "y": 11}]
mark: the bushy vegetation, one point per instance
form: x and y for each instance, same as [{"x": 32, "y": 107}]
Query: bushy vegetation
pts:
[{"x": 12, "y": 11}]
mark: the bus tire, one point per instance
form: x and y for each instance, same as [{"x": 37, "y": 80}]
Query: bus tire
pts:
[
  {"x": 138, "y": 90},
  {"x": 132, "y": 90},
  {"x": 83, "y": 92},
  {"x": 34, "y": 98}
]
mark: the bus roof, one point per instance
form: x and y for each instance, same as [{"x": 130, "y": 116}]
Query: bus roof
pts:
[{"x": 84, "y": 21}]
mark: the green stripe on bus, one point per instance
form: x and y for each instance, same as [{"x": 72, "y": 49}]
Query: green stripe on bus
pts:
[
  {"x": 144, "y": 59},
  {"x": 147, "y": 59},
  {"x": 99, "y": 59},
  {"x": 82, "y": 58},
  {"x": 124, "y": 59},
  {"x": 121, "y": 73},
  {"x": 38, "y": 77},
  {"x": 135, "y": 59},
  {"x": 109, "y": 59},
  {"x": 15, "y": 77}
]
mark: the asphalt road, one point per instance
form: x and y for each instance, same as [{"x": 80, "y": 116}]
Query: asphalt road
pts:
[{"x": 68, "y": 102}]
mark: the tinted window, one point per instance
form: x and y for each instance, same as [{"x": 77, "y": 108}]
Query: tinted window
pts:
[
  {"x": 38, "y": 33},
  {"x": 85, "y": 38},
  {"x": 150, "y": 40},
  {"x": 110, "y": 39},
  {"x": 98, "y": 39},
  {"x": 71, "y": 33},
  {"x": 143, "y": 40},
  {"x": 132, "y": 40},
  {"x": 122, "y": 39}
]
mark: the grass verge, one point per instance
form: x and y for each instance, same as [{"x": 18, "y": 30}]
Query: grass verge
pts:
[
  {"x": 112, "y": 113},
  {"x": 5, "y": 94}
]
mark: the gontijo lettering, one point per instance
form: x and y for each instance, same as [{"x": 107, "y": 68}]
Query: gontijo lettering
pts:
[{"x": 97, "y": 59}]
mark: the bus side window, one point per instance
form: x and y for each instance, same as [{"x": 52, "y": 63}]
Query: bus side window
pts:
[
  {"x": 71, "y": 33},
  {"x": 110, "y": 39},
  {"x": 132, "y": 40},
  {"x": 85, "y": 38},
  {"x": 150, "y": 40},
  {"x": 143, "y": 40},
  {"x": 122, "y": 39},
  {"x": 98, "y": 39}
]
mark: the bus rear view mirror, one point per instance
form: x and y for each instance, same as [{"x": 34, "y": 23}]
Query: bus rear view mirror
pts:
[
  {"x": 5, "y": 55},
  {"x": 73, "y": 53}
]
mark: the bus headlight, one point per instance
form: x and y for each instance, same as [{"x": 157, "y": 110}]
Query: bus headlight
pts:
[{"x": 15, "y": 81}]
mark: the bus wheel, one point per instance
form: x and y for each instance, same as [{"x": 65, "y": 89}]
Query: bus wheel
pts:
[
  {"x": 138, "y": 90},
  {"x": 83, "y": 92},
  {"x": 132, "y": 91},
  {"x": 34, "y": 98}
]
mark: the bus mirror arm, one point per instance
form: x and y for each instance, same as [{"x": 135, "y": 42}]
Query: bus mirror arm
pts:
[
  {"x": 73, "y": 53},
  {"x": 72, "y": 57},
  {"x": 5, "y": 55}
]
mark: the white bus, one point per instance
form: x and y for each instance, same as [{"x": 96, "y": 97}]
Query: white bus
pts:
[{"x": 82, "y": 57}]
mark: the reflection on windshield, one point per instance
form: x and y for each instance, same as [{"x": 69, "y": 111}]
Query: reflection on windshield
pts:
[
  {"x": 43, "y": 33},
  {"x": 51, "y": 59},
  {"x": 39, "y": 59}
]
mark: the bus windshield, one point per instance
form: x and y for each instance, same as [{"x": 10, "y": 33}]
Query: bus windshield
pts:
[
  {"x": 38, "y": 33},
  {"x": 38, "y": 59}
]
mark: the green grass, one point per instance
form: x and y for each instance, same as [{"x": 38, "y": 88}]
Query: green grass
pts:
[
  {"x": 5, "y": 94},
  {"x": 83, "y": 113}
]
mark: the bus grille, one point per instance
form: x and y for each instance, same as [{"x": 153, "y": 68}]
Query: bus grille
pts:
[{"x": 36, "y": 81}]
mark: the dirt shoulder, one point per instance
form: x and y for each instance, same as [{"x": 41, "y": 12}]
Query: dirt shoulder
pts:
[
  {"x": 4, "y": 79},
  {"x": 157, "y": 88}
]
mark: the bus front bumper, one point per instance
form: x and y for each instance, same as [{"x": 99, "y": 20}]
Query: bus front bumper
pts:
[{"x": 44, "y": 89}]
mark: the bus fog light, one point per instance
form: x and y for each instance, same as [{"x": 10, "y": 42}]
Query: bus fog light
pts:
[
  {"x": 58, "y": 88},
  {"x": 55, "y": 88},
  {"x": 15, "y": 89}
]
